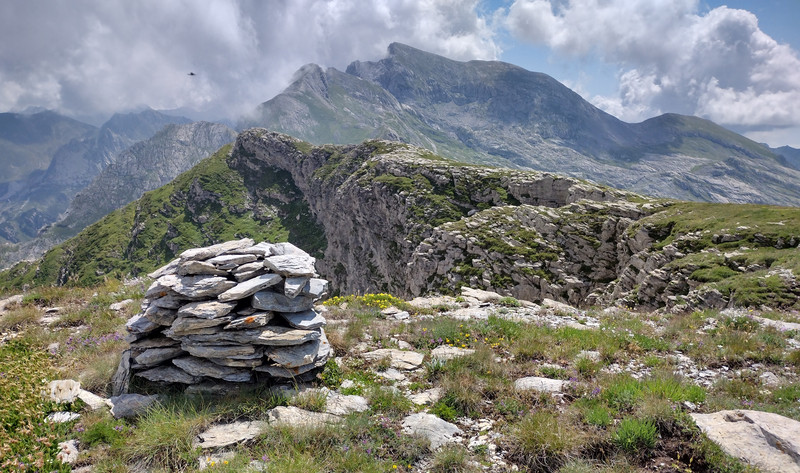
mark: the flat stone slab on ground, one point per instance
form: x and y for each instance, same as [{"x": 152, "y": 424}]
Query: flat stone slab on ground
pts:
[
  {"x": 439, "y": 432},
  {"x": 62, "y": 417},
  {"x": 223, "y": 435},
  {"x": 342, "y": 405},
  {"x": 535, "y": 383},
  {"x": 92, "y": 400},
  {"x": 400, "y": 359},
  {"x": 294, "y": 416},
  {"x": 444, "y": 352},
  {"x": 769, "y": 441},
  {"x": 429, "y": 396}
]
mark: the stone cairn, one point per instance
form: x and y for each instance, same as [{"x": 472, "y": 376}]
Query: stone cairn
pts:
[{"x": 233, "y": 312}]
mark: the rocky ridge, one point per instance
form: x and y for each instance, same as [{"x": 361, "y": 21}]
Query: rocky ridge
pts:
[{"x": 388, "y": 217}]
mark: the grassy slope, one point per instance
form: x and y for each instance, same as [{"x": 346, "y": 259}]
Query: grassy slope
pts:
[{"x": 209, "y": 203}]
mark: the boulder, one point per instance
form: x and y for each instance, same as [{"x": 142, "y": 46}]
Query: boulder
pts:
[
  {"x": 769, "y": 441},
  {"x": 438, "y": 431},
  {"x": 63, "y": 390},
  {"x": 400, "y": 359},
  {"x": 224, "y": 435},
  {"x": 543, "y": 385}
]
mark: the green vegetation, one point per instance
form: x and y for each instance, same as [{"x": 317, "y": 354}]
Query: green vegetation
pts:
[{"x": 208, "y": 204}]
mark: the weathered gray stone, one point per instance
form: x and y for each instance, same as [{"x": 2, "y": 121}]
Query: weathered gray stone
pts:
[
  {"x": 206, "y": 309},
  {"x": 215, "y": 250},
  {"x": 202, "y": 286},
  {"x": 294, "y": 416},
  {"x": 92, "y": 400},
  {"x": 286, "y": 248},
  {"x": 160, "y": 316},
  {"x": 280, "y": 372},
  {"x": 234, "y": 363},
  {"x": 169, "y": 301},
  {"x": 169, "y": 268},
  {"x": 167, "y": 374},
  {"x": 194, "y": 267},
  {"x": 192, "y": 324},
  {"x": 231, "y": 261},
  {"x": 154, "y": 356},
  {"x": 481, "y": 295},
  {"x": 130, "y": 405},
  {"x": 250, "y": 287},
  {"x": 444, "y": 352},
  {"x": 306, "y": 320},
  {"x": 224, "y": 435},
  {"x": 199, "y": 367},
  {"x": 122, "y": 377},
  {"x": 62, "y": 417},
  {"x": 272, "y": 301},
  {"x": 427, "y": 397},
  {"x": 9, "y": 301},
  {"x": 439, "y": 432},
  {"x": 63, "y": 390},
  {"x": 400, "y": 359},
  {"x": 300, "y": 355},
  {"x": 342, "y": 405},
  {"x": 162, "y": 286},
  {"x": 535, "y": 383},
  {"x": 68, "y": 452},
  {"x": 316, "y": 288},
  {"x": 139, "y": 324},
  {"x": 293, "y": 286},
  {"x": 769, "y": 441},
  {"x": 154, "y": 342},
  {"x": 121, "y": 305},
  {"x": 291, "y": 265},
  {"x": 259, "y": 249},
  {"x": 259, "y": 319},
  {"x": 220, "y": 351},
  {"x": 284, "y": 336}
]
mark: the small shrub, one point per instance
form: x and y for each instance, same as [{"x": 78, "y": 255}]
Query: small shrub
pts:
[
  {"x": 453, "y": 459},
  {"x": 331, "y": 375},
  {"x": 598, "y": 416},
  {"x": 635, "y": 435},
  {"x": 312, "y": 400},
  {"x": 509, "y": 302},
  {"x": 388, "y": 401},
  {"x": 444, "y": 410},
  {"x": 543, "y": 440},
  {"x": 622, "y": 393}
]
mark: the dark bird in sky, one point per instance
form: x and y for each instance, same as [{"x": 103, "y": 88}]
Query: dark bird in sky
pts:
[{"x": 192, "y": 74}]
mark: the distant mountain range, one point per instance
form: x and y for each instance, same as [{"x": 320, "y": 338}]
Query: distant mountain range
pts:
[
  {"x": 495, "y": 113},
  {"x": 105, "y": 167}
]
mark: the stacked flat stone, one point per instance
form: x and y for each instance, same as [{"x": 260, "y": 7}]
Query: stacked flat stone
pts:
[{"x": 234, "y": 312}]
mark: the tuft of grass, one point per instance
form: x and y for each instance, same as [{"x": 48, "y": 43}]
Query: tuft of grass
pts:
[
  {"x": 635, "y": 436},
  {"x": 388, "y": 401},
  {"x": 453, "y": 459},
  {"x": 543, "y": 440},
  {"x": 27, "y": 442},
  {"x": 163, "y": 436}
]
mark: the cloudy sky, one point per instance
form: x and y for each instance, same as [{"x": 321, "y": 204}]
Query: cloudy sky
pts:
[{"x": 735, "y": 62}]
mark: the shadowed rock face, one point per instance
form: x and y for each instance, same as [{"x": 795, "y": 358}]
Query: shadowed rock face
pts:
[{"x": 495, "y": 113}]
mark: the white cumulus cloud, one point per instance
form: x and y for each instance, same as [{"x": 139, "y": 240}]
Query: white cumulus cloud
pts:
[
  {"x": 94, "y": 57},
  {"x": 673, "y": 58}
]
